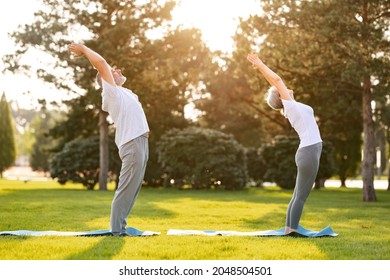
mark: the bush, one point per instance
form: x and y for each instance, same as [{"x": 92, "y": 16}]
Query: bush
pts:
[
  {"x": 203, "y": 158},
  {"x": 279, "y": 157},
  {"x": 327, "y": 164},
  {"x": 79, "y": 162},
  {"x": 256, "y": 165}
]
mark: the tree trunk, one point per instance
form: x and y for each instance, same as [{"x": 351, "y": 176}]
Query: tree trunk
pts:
[
  {"x": 319, "y": 183},
  {"x": 342, "y": 182},
  {"x": 103, "y": 150},
  {"x": 368, "y": 143},
  {"x": 388, "y": 161},
  {"x": 388, "y": 176}
]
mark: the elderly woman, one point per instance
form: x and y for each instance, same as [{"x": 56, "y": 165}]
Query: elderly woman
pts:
[{"x": 307, "y": 157}]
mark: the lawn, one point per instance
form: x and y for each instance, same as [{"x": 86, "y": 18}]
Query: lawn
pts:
[{"x": 363, "y": 228}]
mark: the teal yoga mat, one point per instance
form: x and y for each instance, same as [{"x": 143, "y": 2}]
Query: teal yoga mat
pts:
[
  {"x": 302, "y": 232},
  {"x": 129, "y": 232}
]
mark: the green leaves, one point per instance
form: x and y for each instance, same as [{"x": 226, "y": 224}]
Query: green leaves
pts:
[
  {"x": 7, "y": 138},
  {"x": 203, "y": 158},
  {"x": 78, "y": 162}
]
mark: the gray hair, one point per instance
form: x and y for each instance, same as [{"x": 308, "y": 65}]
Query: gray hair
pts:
[
  {"x": 99, "y": 79},
  {"x": 118, "y": 81},
  {"x": 272, "y": 97}
]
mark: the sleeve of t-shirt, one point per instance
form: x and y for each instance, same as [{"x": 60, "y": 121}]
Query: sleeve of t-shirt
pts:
[{"x": 109, "y": 95}]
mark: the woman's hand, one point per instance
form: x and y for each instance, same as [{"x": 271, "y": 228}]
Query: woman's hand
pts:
[{"x": 270, "y": 76}]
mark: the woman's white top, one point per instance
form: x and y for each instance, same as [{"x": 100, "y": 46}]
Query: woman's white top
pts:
[
  {"x": 126, "y": 112},
  {"x": 302, "y": 119}
]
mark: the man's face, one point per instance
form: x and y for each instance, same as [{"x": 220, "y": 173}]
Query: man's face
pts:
[
  {"x": 118, "y": 77},
  {"x": 291, "y": 92}
]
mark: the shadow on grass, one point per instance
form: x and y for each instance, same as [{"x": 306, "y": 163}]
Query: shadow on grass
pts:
[
  {"x": 58, "y": 207},
  {"x": 65, "y": 210},
  {"x": 360, "y": 225},
  {"x": 105, "y": 249}
]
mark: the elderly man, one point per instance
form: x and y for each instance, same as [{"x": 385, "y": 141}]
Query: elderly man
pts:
[{"x": 131, "y": 135}]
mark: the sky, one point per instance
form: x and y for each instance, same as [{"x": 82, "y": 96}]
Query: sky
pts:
[{"x": 217, "y": 19}]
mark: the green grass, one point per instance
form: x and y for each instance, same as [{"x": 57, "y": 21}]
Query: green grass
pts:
[{"x": 364, "y": 228}]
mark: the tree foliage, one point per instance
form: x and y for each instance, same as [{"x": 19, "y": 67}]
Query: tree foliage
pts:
[
  {"x": 256, "y": 165},
  {"x": 7, "y": 138},
  {"x": 24, "y": 138},
  {"x": 279, "y": 156},
  {"x": 203, "y": 158},
  {"x": 231, "y": 105},
  {"x": 332, "y": 53},
  {"x": 162, "y": 71},
  {"x": 42, "y": 148},
  {"x": 280, "y": 159},
  {"x": 78, "y": 162},
  {"x": 236, "y": 93},
  {"x": 328, "y": 167}
]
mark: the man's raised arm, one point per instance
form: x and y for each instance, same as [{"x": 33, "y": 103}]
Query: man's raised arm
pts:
[{"x": 95, "y": 59}]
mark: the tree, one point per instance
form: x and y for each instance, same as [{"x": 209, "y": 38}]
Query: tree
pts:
[
  {"x": 232, "y": 104},
  {"x": 347, "y": 38},
  {"x": 382, "y": 114},
  {"x": 159, "y": 70},
  {"x": 80, "y": 122},
  {"x": 24, "y": 138},
  {"x": 7, "y": 140},
  {"x": 348, "y": 156},
  {"x": 40, "y": 126},
  {"x": 203, "y": 158}
]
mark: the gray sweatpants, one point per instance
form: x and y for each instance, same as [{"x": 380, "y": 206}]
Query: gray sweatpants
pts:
[
  {"x": 134, "y": 156},
  {"x": 307, "y": 160}
]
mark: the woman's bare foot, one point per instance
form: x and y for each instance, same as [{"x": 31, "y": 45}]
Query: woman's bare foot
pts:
[{"x": 288, "y": 230}]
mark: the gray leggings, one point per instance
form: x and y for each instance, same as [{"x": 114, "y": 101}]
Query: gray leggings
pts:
[
  {"x": 134, "y": 156},
  {"x": 307, "y": 160}
]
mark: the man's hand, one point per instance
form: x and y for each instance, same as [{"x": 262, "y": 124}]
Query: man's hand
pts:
[
  {"x": 76, "y": 49},
  {"x": 97, "y": 61},
  {"x": 255, "y": 60}
]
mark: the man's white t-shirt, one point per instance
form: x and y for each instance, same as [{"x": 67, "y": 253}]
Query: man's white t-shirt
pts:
[
  {"x": 126, "y": 112},
  {"x": 302, "y": 119}
]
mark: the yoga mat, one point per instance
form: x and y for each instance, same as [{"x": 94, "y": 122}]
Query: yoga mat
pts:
[
  {"x": 129, "y": 232},
  {"x": 302, "y": 232}
]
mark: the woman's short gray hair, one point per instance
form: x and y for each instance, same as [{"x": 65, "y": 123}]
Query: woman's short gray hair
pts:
[
  {"x": 99, "y": 79},
  {"x": 272, "y": 97}
]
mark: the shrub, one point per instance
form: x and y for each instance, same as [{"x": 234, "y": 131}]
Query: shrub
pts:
[
  {"x": 203, "y": 158},
  {"x": 79, "y": 162},
  {"x": 256, "y": 165},
  {"x": 327, "y": 164},
  {"x": 279, "y": 157}
]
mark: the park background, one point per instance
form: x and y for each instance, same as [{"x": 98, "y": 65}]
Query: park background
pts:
[{"x": 210, "y": 129}]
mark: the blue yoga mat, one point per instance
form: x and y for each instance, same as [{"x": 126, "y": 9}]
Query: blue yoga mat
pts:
[
  {"x": 302, "y": 232},
  {"x": 129, "y": 232}
]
